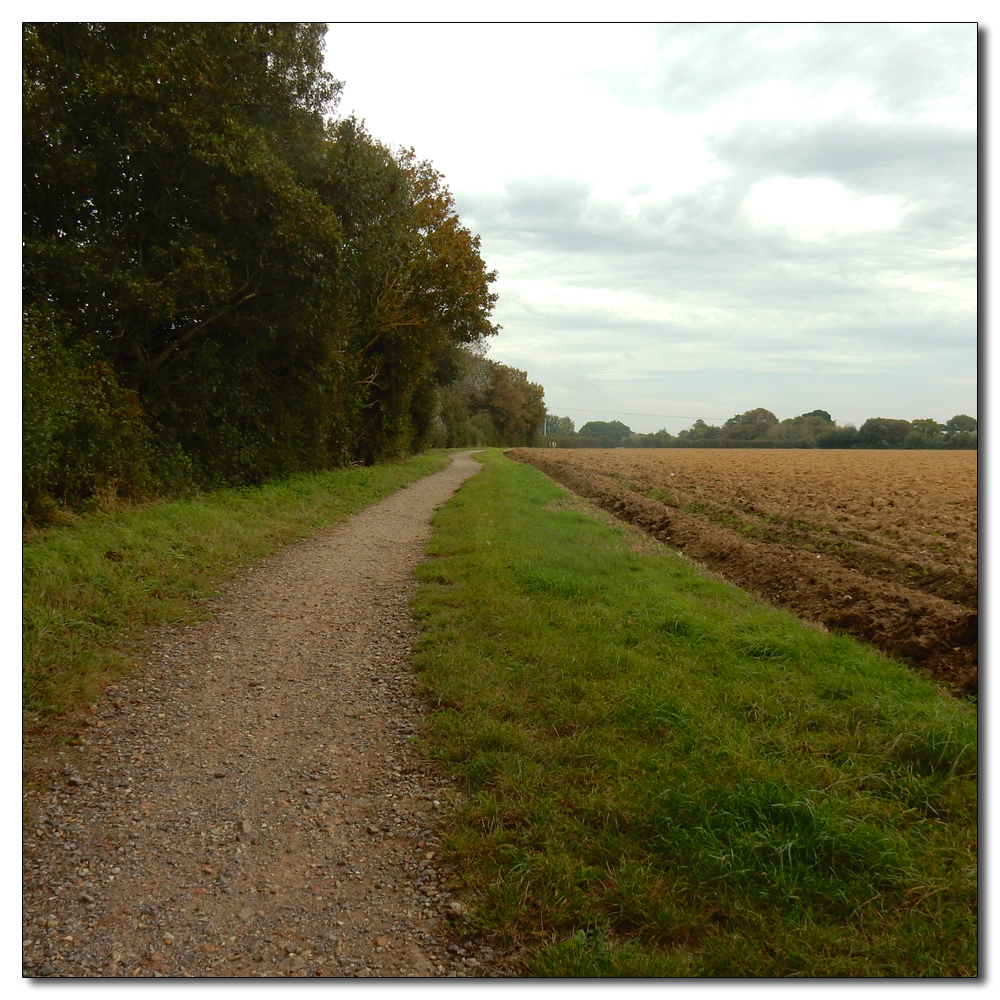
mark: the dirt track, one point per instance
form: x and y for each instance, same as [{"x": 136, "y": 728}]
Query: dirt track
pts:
[
  {"x": 880, "y": 545},
  {"x": 251, "y": 805}
]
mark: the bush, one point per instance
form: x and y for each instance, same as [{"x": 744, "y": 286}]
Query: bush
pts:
[
  {"x": 83, "y": 434},
  {"x": 838, "y": 437}
]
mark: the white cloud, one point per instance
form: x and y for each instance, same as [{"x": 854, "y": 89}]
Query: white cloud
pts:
[
  {"x": 815, "y": 207},
  {"x": 776, "y": 215},
  {"x": 611, "y": 305}
]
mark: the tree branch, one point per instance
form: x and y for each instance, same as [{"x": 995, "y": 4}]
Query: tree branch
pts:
[{"x": 199, "y": 328}]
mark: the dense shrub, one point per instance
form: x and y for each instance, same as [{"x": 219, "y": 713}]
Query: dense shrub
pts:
[{"x": 83, "y": 434}]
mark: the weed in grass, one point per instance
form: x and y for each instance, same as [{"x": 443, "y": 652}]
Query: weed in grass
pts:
[{"x": 666, "y": 778}]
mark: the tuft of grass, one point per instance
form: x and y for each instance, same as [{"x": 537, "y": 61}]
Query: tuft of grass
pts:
[
  {"x": 665, "y": 777},
  {"x": 92, "y": 587}
]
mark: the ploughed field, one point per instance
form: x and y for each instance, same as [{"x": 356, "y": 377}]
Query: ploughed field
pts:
[{"x": 881, "y": 545}]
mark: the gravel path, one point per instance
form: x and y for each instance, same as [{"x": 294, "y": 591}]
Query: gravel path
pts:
[{"x": 251, "y": 805}]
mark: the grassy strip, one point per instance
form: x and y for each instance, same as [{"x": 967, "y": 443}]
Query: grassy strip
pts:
[
  {"x": 666, "y": 778},
  {"x": 91, "y": 588}
]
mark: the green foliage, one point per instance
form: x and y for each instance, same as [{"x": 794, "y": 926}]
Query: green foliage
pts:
[
  {"x": 838, "y": 437},
  {"x": 759, "y": 428},
  {"x": 163, "y": 190},
  {"x": 883, "y": 432},
  {"x": 803, "y": 431},
  {"x": 700, "y": 433},
  {"x": 169, "y": 210},
  {"x": 417, "y": 289},
  {"x": 558, "y": 425},
  {"x": 926, "y": 433},
  {"x": 490, "y": 404},
  {"x": 750, "y": 425},
  {"x": 966, "y": 440},
  {"x": 280, "y": 294},
  {"x": 928, "y": 429},
  {"x": 83, "y": 435},
  {"x": 609, "y": 433},
  {"x": 961, "y": 424},
  {"x": 962, "y": 432},
  {"x": 658, "y": 439},
  {"x": 665, "y": 778}
]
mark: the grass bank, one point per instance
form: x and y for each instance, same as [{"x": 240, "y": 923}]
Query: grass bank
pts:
[
  {"x": 665, "y": 778},
  {"x": 92, "y": 588}
]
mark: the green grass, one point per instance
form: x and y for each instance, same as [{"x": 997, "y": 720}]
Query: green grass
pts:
[
  {"x": 665, "y": 778},
  {"x": 90, "y": 589}
]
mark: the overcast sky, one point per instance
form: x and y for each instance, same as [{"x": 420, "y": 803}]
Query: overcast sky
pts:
[{"x": 694, "y": 220}]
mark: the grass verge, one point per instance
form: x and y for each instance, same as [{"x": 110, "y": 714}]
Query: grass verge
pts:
[
  {"x": 665, "y": 778},
  {"x": 90, "y": 589}
]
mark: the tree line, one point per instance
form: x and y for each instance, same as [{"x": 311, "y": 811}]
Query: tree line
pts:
[
  {"x": 760, "y": 428},
  {"x": 225, "y": 283}
]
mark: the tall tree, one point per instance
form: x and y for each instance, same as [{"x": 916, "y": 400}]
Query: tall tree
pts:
[
  {"x": 418, "y": 294},
  {"x": 961, "y": 423},
  {"x": 491, "y": 404},
  {"x": 559, "y": 425},
  {"x": 168, "y": 213},
  {"x": 883, "y": 432},
  {"x": 275, "y": 292},
  {"x": 750, "y": 426},
  {"x": 608, "y": 432},
  {"x": 804, "y": 430},
  {"x": 516, "y": 405}
]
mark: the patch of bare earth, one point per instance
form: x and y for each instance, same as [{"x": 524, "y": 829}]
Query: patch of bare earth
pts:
[
  {"x": 252, "y": 804},
  {"x": 878, "y": 545}
]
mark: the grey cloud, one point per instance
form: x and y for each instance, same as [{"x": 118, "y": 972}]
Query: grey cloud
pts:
[
  {"x": 546, "y": 199},
  {"x": 565, "y": 217},
  {"x": 907, "y": 66},
  {"x": 699, "y": 243},
  {"x": 886, "y": 158},
  {"x": 699, "y": 235},
  {"x": 827, "y": 308}
]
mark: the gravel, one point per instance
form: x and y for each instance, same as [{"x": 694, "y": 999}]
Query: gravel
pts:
[{"x": 251, "y": 803}]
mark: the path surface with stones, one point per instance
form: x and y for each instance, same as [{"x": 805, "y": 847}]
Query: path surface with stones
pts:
[{"x": 251, "y": 804}]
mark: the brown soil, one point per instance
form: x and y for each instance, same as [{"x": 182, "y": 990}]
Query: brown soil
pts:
[
  {"x": 879, "y": 545},
  {"x": 252, "y": 804}
]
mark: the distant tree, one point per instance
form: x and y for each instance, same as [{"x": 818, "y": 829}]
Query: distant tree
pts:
[
  {"x": 964, "y": 440},
  {"x": 559, "y": 425},
  {"x": 516, "y": 405},
  {"x": 838, "y": 437},
  {"x": 609, "y": 433},
  {"x": 659, "y": 439},
  {"x": 883, "y": 432},
  {"x": 700, "y": 432},
  {"x": 927, "y": 433},
  {"x": 751, "y": 425},
  {"x": 489, "y": 404},
  {"x": 802, "y": 431},
  {"x": 929, "y": 427},
  {"x": 960, "y": 424},
  {"x": 962, "y": 432}
]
